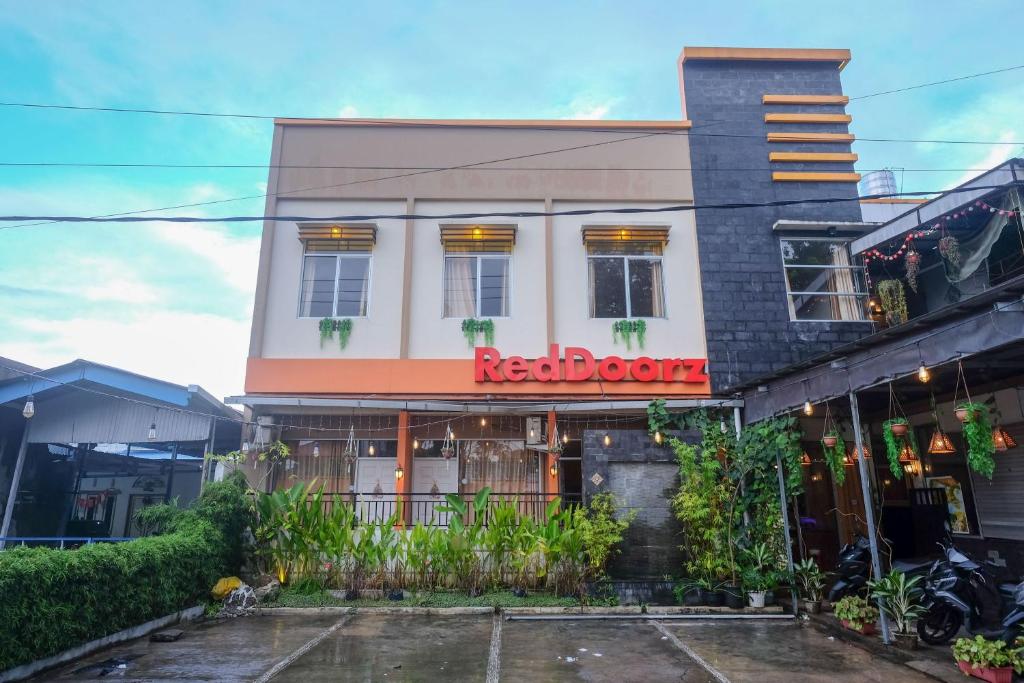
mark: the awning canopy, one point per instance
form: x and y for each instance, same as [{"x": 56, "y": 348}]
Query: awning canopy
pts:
[{"x": 338, "y": 237}]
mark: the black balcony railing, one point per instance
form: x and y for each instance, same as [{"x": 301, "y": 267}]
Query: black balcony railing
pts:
[{"x": 431, "y": 508}]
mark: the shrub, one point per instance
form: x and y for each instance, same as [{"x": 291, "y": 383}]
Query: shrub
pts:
[
  {"x": 856, "y": 611},
  {"x": 56, "y": 599},
  {"x": 988, "y": 654}
]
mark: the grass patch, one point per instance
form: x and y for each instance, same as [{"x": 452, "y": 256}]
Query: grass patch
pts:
[{"x": 295, "y": 598}]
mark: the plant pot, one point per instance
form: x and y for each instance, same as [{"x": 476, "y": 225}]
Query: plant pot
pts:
[
  {"x": 905, "y": 641},
  {"x": 396, "y": 595},
  {"x": 372, "y": 594},
  {"x": 351, "y": 594},
  {"x": 714, "y": 598},
  {"x": 694, "y": 598},
  {"x": 756, "y": 598},
  {"x": 734, "y": 597},
  {"x": 1002, "y": 674},
  {"x": 961, "y": 414},
  {"x": 811, "y": 606},
  {"x": 865, "y": 630},
  {"x": 519, "y": 592},
  {"x": 898, "y": 429},
  {"x": 830, "y": 441},
  {"x": 769, "y": 597}
]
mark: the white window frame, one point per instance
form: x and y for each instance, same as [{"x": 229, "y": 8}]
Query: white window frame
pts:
[
  {"x": 789, "y": 294},
  {"x": 338, "y": 255},
  {"x": 629, "y": 298},
  {"x": 478, "y": 256}
]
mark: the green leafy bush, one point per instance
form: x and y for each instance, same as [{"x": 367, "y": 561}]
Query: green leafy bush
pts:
[
  {"x": 978, "y": 435},
  {"x": 810, "y": 579},
  {"x": 989, "y": 654},
  {"x": 901, "y": 599},
  {"x": 57, "y": 599},
  {"x": 856, "y": 611}
]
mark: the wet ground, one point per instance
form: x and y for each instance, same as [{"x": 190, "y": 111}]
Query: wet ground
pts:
[{"x": 332, "y": 646}]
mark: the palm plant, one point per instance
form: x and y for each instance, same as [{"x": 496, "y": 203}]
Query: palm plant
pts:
[{"x": 901, "y": 599}]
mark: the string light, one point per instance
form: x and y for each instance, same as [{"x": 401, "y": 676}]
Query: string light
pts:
[
  {"x": 808, "y": 408},
  {"x": 30, "y": 408},
  {"x": 483, "y": 421},
  {"x": 152, "y": 432},
  {"x": 371, "y": 450},
  {"x": 245, "y": 446},
  {"x": 607, "y": 440},
  {"x": 415, "y": 444},
  {"x": 923, "y": 373},
  {"x": 316, "y": 449},
  {"x": 657, "y": 438}
]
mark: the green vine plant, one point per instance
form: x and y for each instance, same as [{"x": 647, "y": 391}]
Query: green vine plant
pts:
[
  {"x": 658, "y": 418},
  {"x": 328, "y": 326},
  {"x": 472, "y": 328},
  {"x": 978, "y": 436},
  {"x": 894, "y": 300},
  {"x": 626, "y": 329},
  {"x": 894, "y": 444}
]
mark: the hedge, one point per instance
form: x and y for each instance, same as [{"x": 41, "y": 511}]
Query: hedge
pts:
[{"x": 52, "y": 600}]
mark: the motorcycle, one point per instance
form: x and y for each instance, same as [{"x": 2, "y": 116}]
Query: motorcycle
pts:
[
  {"x": 854, "y": 569},
  {"x": 961, "y": 592}
]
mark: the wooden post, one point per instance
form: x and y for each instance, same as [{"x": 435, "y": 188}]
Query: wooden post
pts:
[
  {"x": 551, "y": 481},
  {"x": 403, "y": 486}
]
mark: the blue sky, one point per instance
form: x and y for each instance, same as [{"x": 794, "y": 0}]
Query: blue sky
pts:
[{"x": 174, "y": 301}]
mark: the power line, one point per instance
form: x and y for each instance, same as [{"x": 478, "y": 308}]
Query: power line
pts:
[
  {"x": 268, "y": 117},
  {"x": 942, "y": 82},
  {"x": 161, "y": 165},
  {"x": 474, "y": 215}
]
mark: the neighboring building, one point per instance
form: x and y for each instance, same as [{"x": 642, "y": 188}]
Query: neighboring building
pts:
[{"x": 100, "y": 444}]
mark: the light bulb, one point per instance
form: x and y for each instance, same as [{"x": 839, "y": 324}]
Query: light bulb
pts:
[
  {"x": 483, "y": 421},
  {"x": 415, "y": 444},
  {"x": 553, "y": 469},
  {"x": 371, "y": 450},
  {"x": 607, "y": 440},
  {"x": 532, "y": 433},
  {"x": 30, "y": 408},
  {"x": 657, "y": 438},
  {"x": 923, "y": 373},
  {"x": 722, "y": 427},
  {"x": 808, "y": 409},
  {"x": 316, "y": 450},
  {"x": 399, "y": 472},
  {"x": 245, "y": 446},
  {"x": 152, "y": 432},
  {"x": 451, "y": 435},
  {"x": 565, "y": 438}
]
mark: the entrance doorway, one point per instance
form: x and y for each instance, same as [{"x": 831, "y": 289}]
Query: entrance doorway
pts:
[{"x": 570, "y": 472}]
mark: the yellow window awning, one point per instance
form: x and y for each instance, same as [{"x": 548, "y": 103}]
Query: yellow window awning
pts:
[
  {"x": 338, "y": 237},
  {"x": 478, "y": 237}
]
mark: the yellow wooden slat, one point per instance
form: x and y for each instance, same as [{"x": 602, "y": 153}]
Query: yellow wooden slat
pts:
[
  {"x": 812, "y": 156},
  {"x": 624, "y": 233},
  {"x": 811, "y": 137},
  {"x": 814, "y": 177},
  {"x": 805, "y": 99},
  {"x": 780, "y": 117}
]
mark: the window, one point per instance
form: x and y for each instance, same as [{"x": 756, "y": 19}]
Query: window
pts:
[
  {"x": 476, "y": 286},
  {"x": 821, "y": 283},
  {"x": 625, "y": 280},
  {"x": 334, "y": 285}
]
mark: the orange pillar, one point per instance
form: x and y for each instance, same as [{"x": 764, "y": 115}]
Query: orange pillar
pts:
[
  {"x": 403, "y": 486},
  {"x": 551, "y": 486}
]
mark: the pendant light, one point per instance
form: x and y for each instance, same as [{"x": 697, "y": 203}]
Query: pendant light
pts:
[
  {"x": 399, "y": 473},
  {"x": 607, "y": 440},
  {"x": 30, "y": 408},
  {"x": 316, "y": 449},
  {"x": 483, "y": 421},
  {"x": 1001, "y": 439},
  {"x": 923, "y": 374},
  {"x": 940, "y": 443},
  {"x": 372, "y": 450},
  {"x": 658, "y": 438},
  {"x": 151, "y": 435},
  {"x": 245, "y": 446},
  {"x": 553, "y": 470},
  {"x": 805, "y": 459},
  {"x": 808, "y": 409},
  {"x": 415, "y": 444}
]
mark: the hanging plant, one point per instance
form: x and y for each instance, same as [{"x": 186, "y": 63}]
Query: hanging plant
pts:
[
  {"x": 949, "y": 249},
  {"x": 472, "y": 328},
  {"x": 344, "y": 332},
  {"x": 326, "y": 330},
  {"x": 894, "y": 300},
  {"x": 833, "y": 446},
  {"x": 894, "y": 444},
  {"x": 626, "y": 329},
  {"x": 913, "y": 268},
  {"x": 978, "y": 435}
]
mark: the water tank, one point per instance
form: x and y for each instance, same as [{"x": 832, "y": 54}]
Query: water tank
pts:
[{"x": 877, "y": 182}]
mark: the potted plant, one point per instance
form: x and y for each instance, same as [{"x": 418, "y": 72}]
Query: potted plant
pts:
[
  {"x": 811, "y": 582},
  {"x": 757, "y": 583},
  {"x": 901, "y": 603},
  {"x": 898, "y": 426},
  {"x": 978, "y": 437},
  {"x": 856, "y": 614},
  {"x": 689, "y": 593},
  {"x": 894, "y": 301},
  {"x": 989, "y": 660},
  {"x": 830, "y": 439}
]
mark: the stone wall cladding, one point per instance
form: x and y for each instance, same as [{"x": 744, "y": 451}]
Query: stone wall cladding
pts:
[
  {"x": 747, "y": 323},
  {"x": 643, "y": 477}
]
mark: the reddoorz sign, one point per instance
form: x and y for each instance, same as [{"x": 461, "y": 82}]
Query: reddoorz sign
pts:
[{"x": 579, "y": 365}]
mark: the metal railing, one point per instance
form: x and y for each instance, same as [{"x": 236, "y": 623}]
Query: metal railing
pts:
[
  {"x": 61, "y": 542},
  {"x": 430, "y": 508}
]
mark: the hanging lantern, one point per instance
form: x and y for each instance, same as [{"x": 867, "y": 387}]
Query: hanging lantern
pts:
[
  {"x": 923, "y": 373},
  {"x": 1002, "y": 440},
  {"x": 940, "y": 443},
  {"x": 808, "y": 408},
  {"x": 151, "y": 435},
  {"x": 447, "y": 447},
  {"x": 399, "y": 472},
  {"x": 245, "y": 446},
  {"x": 553, "y": 470},
  {"x": 847, "y": 460},
  {"x": 349, "y": 454},
  {"x": 805, "y": 459},
  {"x": 907, "y": 454},
  {"x": 555, "y": 444},
  {"x": 30, "y": 408}
]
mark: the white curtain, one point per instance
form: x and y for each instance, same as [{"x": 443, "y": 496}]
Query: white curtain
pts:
[
  {"x": 981, "y": 246},
  {"x": 846, "y": 307},
  {"x": 657, "y": 291},
  {"x": 460, "y": 287},
  {"x": 504, "y": 466}
]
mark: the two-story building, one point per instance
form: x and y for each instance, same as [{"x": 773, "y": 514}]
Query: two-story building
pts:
[{"x": 452, "y": 304}]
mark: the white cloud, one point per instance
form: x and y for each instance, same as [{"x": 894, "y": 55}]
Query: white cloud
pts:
[
  {"x": 235, "y": 258},
  {"x": 348, "y": 112},
  {"x": 184, "y": 348},
  {"x": 589, "y": 108},
  {"x": 592, "y": 114}
]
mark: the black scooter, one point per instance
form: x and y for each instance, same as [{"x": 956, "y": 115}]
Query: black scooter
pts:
[
  {"x": 961, "y": 592},
  {"x": 854, "y": 569}
]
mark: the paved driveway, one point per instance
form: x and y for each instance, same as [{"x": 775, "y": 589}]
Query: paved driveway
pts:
[{"x": 334, "y": 646}]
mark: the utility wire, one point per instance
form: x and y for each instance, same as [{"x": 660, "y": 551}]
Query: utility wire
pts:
[
  {"x": 473, "y": 215},
  {"x": 268, "y": 117},
  {"x": 942, "y": 82}
]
